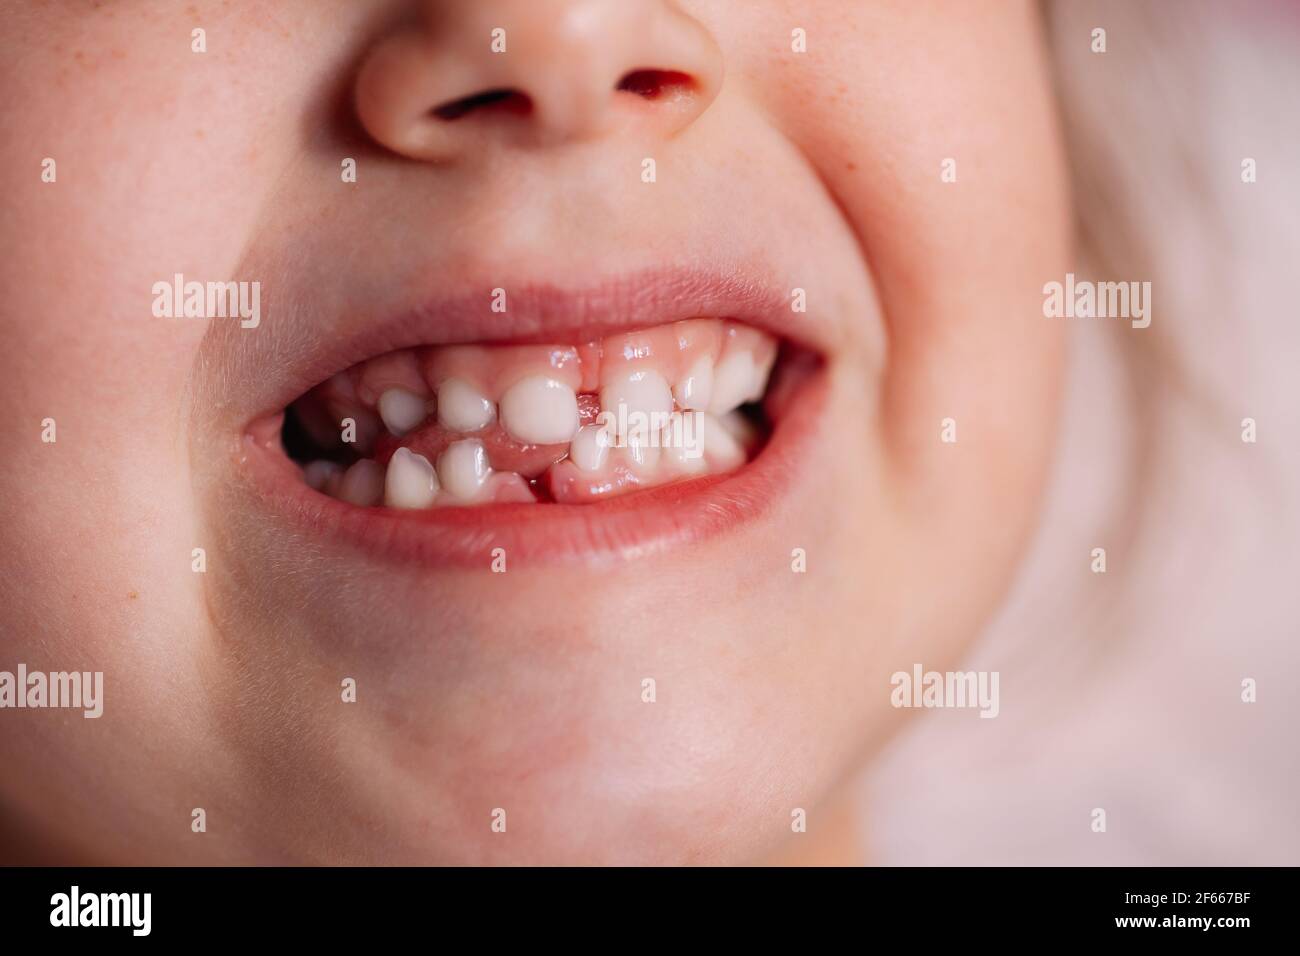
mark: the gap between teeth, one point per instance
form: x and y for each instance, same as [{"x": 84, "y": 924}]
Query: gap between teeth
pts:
[
  {"x": 542, "y": 409},
  {"x": 463, "y": 475}
]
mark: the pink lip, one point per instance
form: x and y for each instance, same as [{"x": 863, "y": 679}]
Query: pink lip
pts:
[
  {"x": 535, "y": 312},
  {"x": 623, "y": 528}
]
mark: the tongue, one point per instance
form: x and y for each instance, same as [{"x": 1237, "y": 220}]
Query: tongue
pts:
[{"x": 504, "y": 452}]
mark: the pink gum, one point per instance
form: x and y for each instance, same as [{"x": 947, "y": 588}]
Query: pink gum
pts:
[{"x": 492, "y": 369}]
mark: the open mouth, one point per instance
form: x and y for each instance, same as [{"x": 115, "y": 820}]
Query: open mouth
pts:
[
  {"x": 471, "y": 425},
  {"x": 616, "y": 441}
]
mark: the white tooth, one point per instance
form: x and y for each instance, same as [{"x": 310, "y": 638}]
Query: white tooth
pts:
[
  {"x": 363, "y": 484},
  {"x": 683, "y": 442},
  {"x": 590, "y": 447},
  {"x": 733, "y": 380},
  {"x": 723, "y": 451},
  {"x": 696, "y": 388},
  {"x": 462, "y": 408},
  {"x": 642, "y": 449},
  {"x": 762, "y": 372},
  {"x": 463, "y": 468},
  {"x": 540, "y": 411},
  {"x": 643, "y": 392},
  {"x": 317, "y": 474},
  {"x": 410, "y": 482},
  {"x": 401, "y": 410}
]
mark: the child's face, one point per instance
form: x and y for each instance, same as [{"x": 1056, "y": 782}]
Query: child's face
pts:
[{"x": 630, "y": 674}]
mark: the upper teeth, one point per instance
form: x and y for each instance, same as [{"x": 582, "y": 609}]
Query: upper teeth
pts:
[
  {"x": 462, "y": 407},
  {"x": 540, "y": 410},
  {"x": 642, "y": 392},
  {"x": 401, "y": 410},
  {"x": 695, "y": 389},
  {"x": 733, "y": 381},
  {"x": 649, "y": 383}
]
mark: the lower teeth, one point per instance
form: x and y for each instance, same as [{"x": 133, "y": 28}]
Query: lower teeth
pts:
[
  {"x": 599, "y": 464},
  {"x": 468, "y": 425}
]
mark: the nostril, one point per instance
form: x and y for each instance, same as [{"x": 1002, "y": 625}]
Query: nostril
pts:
[
  {"x": 657, "y": 84},
  {"x": 501, "y": 100}
]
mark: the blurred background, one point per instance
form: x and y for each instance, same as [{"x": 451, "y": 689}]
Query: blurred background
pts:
[{"x": 1123, "y": 690}]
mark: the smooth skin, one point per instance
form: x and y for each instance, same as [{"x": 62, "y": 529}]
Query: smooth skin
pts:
[{"x": 520, "y": 691}]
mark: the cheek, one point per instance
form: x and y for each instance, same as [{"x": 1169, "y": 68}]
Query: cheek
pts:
[
  {"x": 935, "y": 129},
  {"x": 151, "y": 153},
  {"x": 164, "y": 158},
  {"x": 954, "y": 180}
]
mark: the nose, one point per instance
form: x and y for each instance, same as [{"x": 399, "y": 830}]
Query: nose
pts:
[{"x": 469, "y": 75}]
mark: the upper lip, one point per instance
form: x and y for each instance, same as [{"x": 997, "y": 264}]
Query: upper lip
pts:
[{"x": 535, "y": 312}]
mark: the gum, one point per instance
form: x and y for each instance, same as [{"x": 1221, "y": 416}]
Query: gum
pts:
[
  {"x": 521, "y": 469},
  {"x": 504, "y": 452},
  {"x": 669, "y": 349},
  {"x": 492, "y": 369}
]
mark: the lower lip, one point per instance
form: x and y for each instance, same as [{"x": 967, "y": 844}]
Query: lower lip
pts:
[{"x": 618, "y": 529}]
